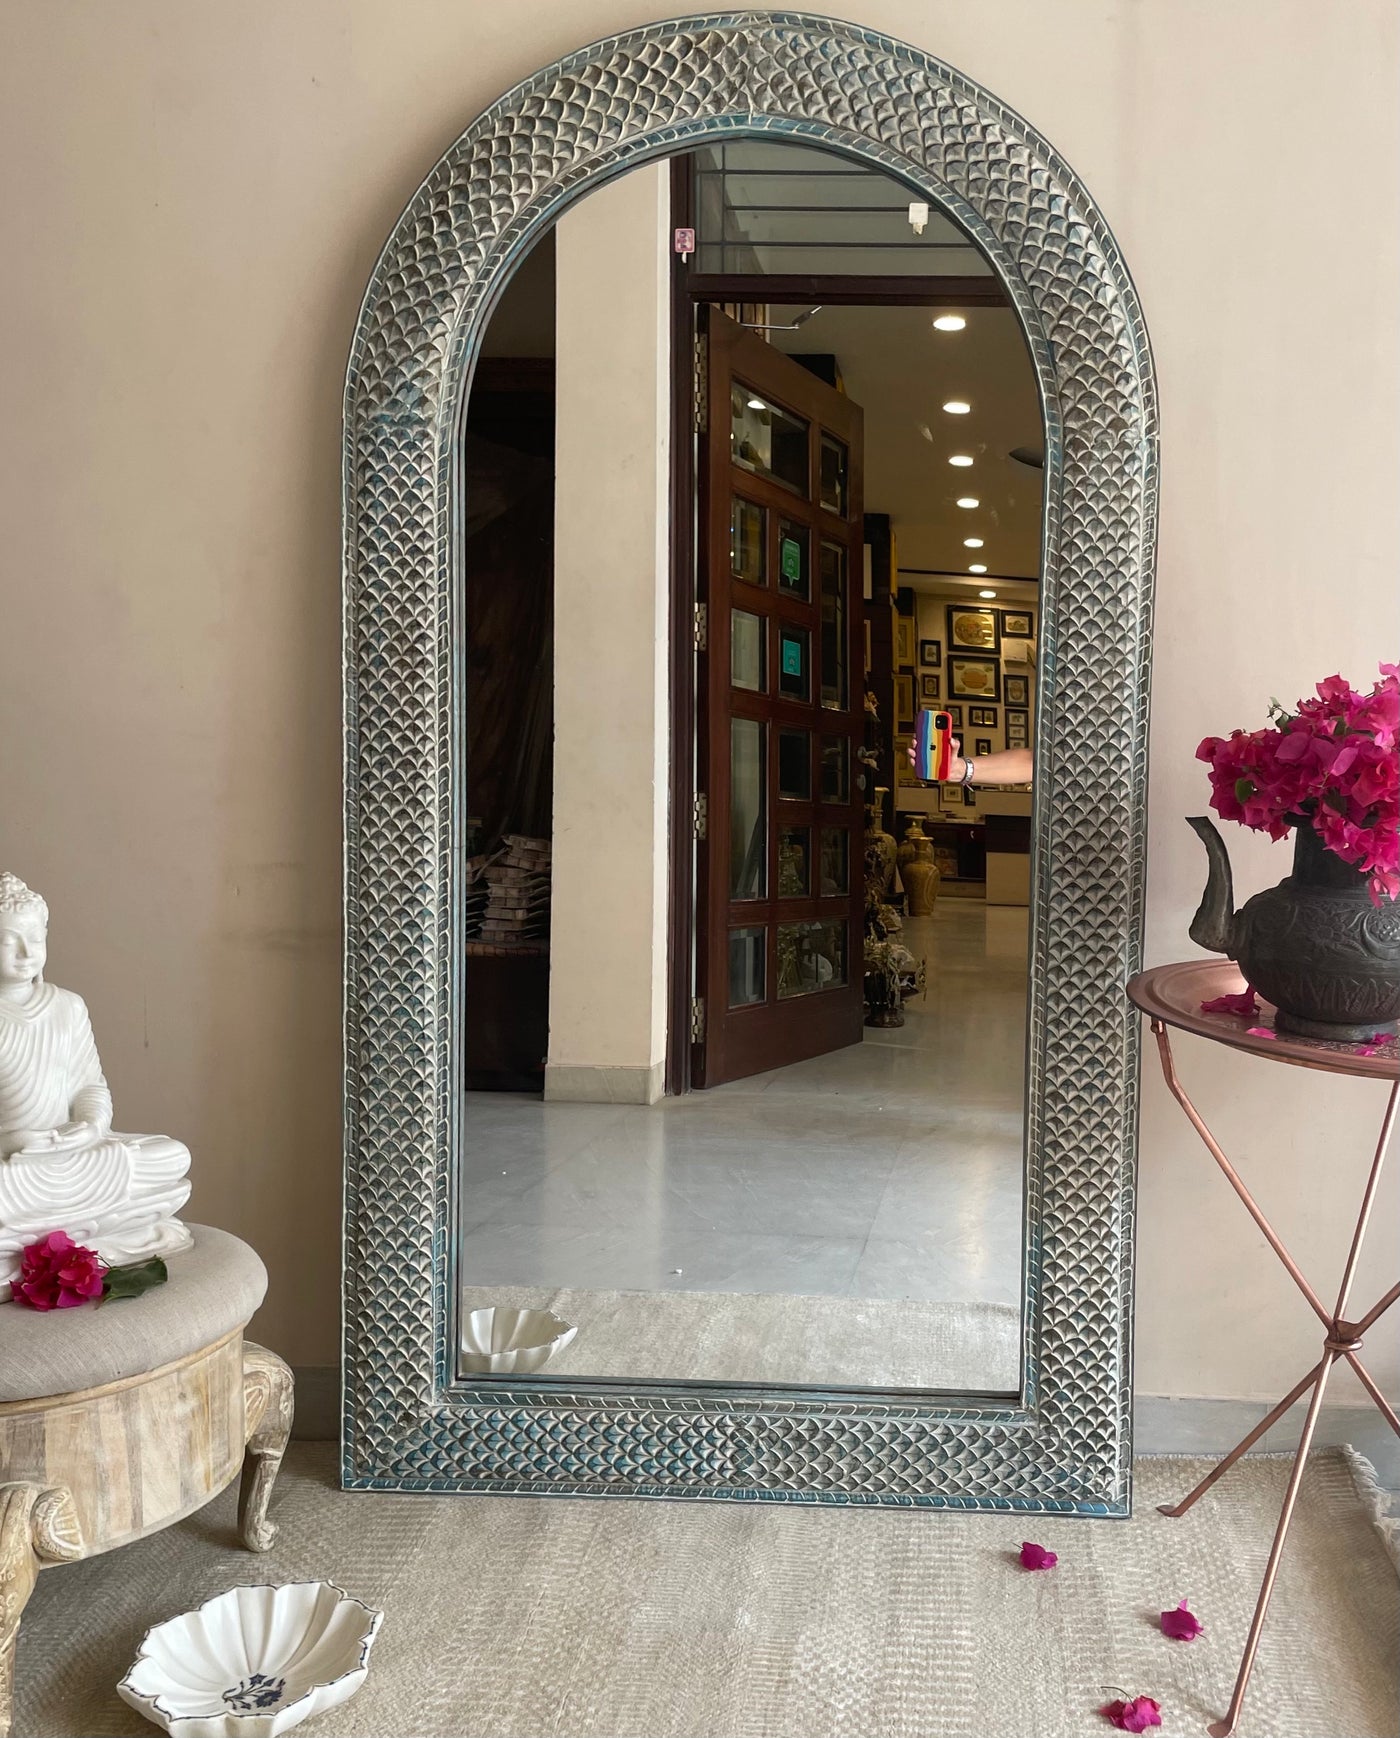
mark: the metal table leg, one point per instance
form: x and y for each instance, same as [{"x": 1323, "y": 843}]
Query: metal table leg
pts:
[{"x": 1341, "y": 1340}]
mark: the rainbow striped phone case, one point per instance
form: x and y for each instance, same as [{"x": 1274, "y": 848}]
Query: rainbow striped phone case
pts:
[{"x": 933, "y": 745}]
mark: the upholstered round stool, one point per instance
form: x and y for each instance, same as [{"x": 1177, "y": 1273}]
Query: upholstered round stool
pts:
[{"x": 116, "y": 1421}]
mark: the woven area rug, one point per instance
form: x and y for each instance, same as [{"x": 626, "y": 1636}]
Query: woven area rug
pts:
[
  {"x": 725, "y": 1336},
  {"x": 521, "y": 1618}
]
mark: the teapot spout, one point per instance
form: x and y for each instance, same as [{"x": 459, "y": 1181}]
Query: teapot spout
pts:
[{"x": 1215, "y": 925}]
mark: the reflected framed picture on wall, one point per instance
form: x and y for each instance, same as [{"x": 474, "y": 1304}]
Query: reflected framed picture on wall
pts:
[
  {"x": 1018, "y": 691},
  {"x": 973, "y": 678},
  {"x": 983, "y": 745},
  {"x": 969, "y": 797},
  {"x": 1018, "y": 727},
  {"x": 985, "y": 716},
  {"x": 975, "y": 630},
  {"x": 929, "y": 685},
  {"x": 903, "y": 700},
  {"x": 1018, "y": 624},
  {"x": 956, "y": 714},
  {"x": 950, "y": 797},
  {"x": 904, "y": 639},
  {"x": 930, "y": 651}
]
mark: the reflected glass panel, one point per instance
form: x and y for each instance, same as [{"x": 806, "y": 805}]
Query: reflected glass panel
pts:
[
  {"x": 811, "y": 957},
  {"x": 835, "y": 639},
  {"x": 794, "y": 862},
  {"x": 794, "y": 560},
  {"x": 835, "y": 464},
  {"x": 795, "y": 765},
  {"x": 747, "y": 644},
  {"x": 766, "y": 439},
  {"x": 748, "y": 541},
  {"x": 748, "y": 809},
  {"x": 748, "y": 960},
  {"x": 836, "y": 769},
  {"x": 836, "y": 861},
  {"x": 794, "y": 663}
]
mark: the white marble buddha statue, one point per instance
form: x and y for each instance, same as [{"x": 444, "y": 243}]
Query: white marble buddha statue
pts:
[{"x": 61, "y": 1166}]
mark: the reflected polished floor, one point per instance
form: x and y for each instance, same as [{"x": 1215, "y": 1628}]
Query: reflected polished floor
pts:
[{"x": 889, "y": 1170}]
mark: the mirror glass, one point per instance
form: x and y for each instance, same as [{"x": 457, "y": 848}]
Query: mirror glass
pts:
[{"x": 745, "y": 995}]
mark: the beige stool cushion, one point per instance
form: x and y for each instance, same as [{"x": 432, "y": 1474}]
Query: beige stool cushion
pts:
[{"x": 213, "y": 1287}]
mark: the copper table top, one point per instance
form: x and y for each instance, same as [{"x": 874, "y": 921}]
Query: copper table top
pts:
[{"x": 1173, "y": 994}]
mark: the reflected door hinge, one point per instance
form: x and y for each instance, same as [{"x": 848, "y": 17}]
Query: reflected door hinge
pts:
[
  {"x": 697, "y": 1020},
  {"x": 702, "y": 383},
  {"x": 702, "y": 627},
  {"x": 702, "y": 815}
]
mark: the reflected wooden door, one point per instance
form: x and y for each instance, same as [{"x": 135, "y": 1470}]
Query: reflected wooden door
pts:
[{"x": 779, "y": 865}]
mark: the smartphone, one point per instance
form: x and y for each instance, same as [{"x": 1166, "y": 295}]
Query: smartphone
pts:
[{"x": 933, "y": 744}]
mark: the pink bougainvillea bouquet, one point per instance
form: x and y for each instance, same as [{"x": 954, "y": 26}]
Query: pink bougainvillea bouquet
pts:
[{"x": 1332, "y": 764}]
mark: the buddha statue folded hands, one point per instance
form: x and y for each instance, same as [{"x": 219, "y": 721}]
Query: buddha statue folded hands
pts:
[{"x": 62, "y": 1167}]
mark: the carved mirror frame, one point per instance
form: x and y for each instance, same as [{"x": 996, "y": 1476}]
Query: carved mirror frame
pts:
[{"x": 410, "y": 1422}]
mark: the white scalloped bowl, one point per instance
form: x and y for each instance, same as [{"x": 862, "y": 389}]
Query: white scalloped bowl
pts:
[
  {"x": 502, "y": 1340},
  {"x": 253, "y": 1662}
]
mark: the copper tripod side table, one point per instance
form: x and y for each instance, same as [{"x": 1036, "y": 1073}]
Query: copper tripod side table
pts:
[{"x": 1172, "y": 996}]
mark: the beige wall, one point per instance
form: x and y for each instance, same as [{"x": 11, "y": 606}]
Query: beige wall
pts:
[
  {"x": 607, "y": 964},
  {"x": 195, "y": 194}
]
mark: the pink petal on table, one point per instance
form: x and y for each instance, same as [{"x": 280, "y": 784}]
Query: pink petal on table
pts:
[
  {"x": 1181, "y": 1624},
  {"x": 1036, "y": 1556},
  {"x": 1260, "y": 1032},
  {"x": 1244, "y": 1003},
  {"x": 1135, "y": 1715}
]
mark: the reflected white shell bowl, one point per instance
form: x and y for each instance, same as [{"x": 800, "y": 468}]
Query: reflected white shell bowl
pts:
[
  {"x": 503, "y": 1340},
  {"x": 253, "y": 1662}
]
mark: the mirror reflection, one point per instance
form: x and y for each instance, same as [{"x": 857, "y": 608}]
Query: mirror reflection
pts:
[{"x": 746, "y": 947}]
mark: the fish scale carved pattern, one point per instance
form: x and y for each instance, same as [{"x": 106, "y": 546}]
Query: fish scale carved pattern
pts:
[{"x": 408, "y": 1422}]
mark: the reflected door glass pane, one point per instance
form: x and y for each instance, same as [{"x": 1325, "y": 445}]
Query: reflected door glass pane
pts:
[
  {"x": 795, "y": 765},
  {"x": 836, "y": 861},
  {"x": 794, "y": 663},
  {"x": 748, "y": 541},
  {"x": 836, "y": 769},
  {"x": 748, "y": 809},
  {"x": 811, "y": 957},
  {"x": 835, "y": 681},
  {"x": 794, "y": 560},
  {"x": 748, "y": 961},
  {"x": 765, "y": 438},
  {"x": 747, "y": 645},
  {"x": 794, "y": 862},
  {"x": 834, "y": 465}
]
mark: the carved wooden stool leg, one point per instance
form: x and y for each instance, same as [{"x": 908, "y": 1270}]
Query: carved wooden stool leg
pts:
[
  {"x": 37, "y": 1525},
  {"x": 267, "y": 1409}
]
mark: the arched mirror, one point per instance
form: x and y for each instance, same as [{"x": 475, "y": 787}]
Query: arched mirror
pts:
[
  {"x": 749, "y": 525},
  {"x": 746, "y": 998}
]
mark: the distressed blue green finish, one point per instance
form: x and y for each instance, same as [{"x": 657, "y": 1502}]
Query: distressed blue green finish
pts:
[{"x": 409, "y": 1423}]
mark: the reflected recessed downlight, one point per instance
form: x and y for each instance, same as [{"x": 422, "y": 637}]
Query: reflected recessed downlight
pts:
[
  {"x": 968, "y": 501},
  {"x": 962, "y": 460},
  {"x": 757, "y": 404},
  {"x": 978, "y": 567},
  {"x": 957, "y": 407},
  {"x": 986, "y": 594},
  {"x": 972, "y": 542},
  {"x": 949, "y": 323}
]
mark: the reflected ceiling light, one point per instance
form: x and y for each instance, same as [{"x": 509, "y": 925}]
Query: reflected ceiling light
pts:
[
  {"x": 978, "y": 567},
  {"x": 986, "y": 594},
  {"x": 968, "y": 501},
  {"x": 961, "y": 459},
  {"x": 972, "y": 542},
  {"x": 949, "y": 323},
  {"x": 757, "y": 404},
  {"x": 957, "y": 407}
]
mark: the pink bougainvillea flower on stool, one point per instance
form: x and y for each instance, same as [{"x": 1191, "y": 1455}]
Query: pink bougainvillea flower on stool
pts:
[
  {"x": 57, "y": 1274},
  {"x": 1181, "y": 1624},
  {"x": 1036, "y": 1556},
  {"x": 1134, "y": 1715}
]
